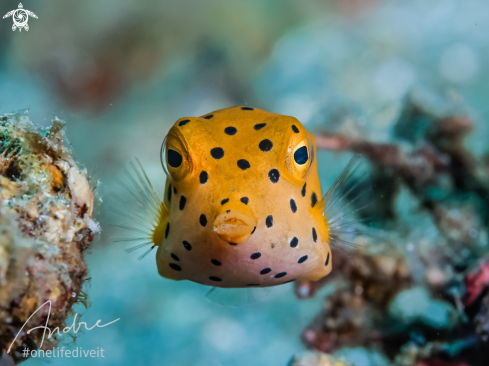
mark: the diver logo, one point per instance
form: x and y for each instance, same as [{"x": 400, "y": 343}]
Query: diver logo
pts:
[{"x": 20, "y": 17}]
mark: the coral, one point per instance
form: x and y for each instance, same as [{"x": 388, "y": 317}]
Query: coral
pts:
[
  {"x": 420, "y": 300},
  {"x": 46, "y": 226},
  {"x": 353, "y": 314}
]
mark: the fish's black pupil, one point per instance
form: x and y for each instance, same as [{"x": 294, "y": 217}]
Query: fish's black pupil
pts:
[
  {"x": 301, "y": 155},
  {"x": 174, "y": 158}
]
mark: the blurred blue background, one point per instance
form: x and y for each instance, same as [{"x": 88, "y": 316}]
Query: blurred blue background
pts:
[{"x": 120, "y": 72}]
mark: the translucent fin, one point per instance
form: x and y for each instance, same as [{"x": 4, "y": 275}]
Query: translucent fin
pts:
[
  {"x": 236, "y": 297},
  {"x": 136, "y": 247},
  {"x": 140, "y": 209},
  {"x": 146, "y": 253},
  {"x": 346, "y": 207}
]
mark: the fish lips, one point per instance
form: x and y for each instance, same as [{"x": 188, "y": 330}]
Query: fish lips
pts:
[{"x": 234, "y": 226}]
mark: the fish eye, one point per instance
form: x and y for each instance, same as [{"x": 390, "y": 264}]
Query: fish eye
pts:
[
  {"x": 174, "y": 158},
  {"x": 298, "y": 156},
  {"x": 301, "y": 155}
]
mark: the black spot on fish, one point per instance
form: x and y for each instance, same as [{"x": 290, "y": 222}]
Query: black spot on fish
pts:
[
  {"x": 295, "y": 129},
  {"x": 183, "y": 201},
  {"x": 265, "y": 145},
  {"x": 259, "y": 126},
  {"x": 280, "y": 275},
  {"x": 314, "y": 199},
  {"x": 233, "y": 243},
  {"x": 187, "y": 245},
  {"x": 314, "y": 235},
  {"x": 203, "y": 220},
  {"x": 228, "y": 211},
  {"x": 174, "y": 190},
  {"x": 243, "y": 164},
  {"x": 255, "y": 255},
  {"x": 209, "y": 116},
  {"x": 327, "y": 260},
  {"x": 217, "y": 153},
  {"x": 265, "y": 271},
  {"x": 294, "y": 242},
  {"x": 252, "y": 285},
  {"x": 215, "y": 262},
  {"x": 247, "y": 108},
  {"x": 174, "y": 266},
  {"x": 215, "y": 279},
  {"x": 245, "y": 200},
  {"x": 302, "y": 259},
  {"x": 269, "y": 221},
  {"x": 168, "y": 194},
  {"x": 203, "y": 177},
  {"x": 167, "y": 230},
  {"x": 230, "y": 131},
  {"x": 274, "y": 175},
  {"x": 224, "y": 201},
  {"x": 303, "y": 192},
  {"x": 253, "y": 230},
  {"x": 174, "y": 256},
  {"x": 293, "y": 206},
  {"x": 183, "y": 122}
]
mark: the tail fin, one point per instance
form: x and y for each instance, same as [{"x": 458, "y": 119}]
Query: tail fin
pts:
[
  {"x": 139, "y": 204},
  {"x": 345, "y": 206}
]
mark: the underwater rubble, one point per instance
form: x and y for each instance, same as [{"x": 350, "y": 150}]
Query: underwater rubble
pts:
[
  {"x": 415, "y": 299},
  {"x": 46, "y": 226}
]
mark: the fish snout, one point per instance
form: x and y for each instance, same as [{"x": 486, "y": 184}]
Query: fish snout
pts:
[{"x": 234, "y": 225}]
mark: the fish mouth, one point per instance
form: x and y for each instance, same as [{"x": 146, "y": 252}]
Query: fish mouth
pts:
[{"x": 234, "y": 226}]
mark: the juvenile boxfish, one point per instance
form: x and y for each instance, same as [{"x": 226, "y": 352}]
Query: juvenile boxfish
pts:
[{"x": 242, "y": 204}]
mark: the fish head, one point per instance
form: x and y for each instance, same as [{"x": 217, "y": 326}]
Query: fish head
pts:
[{"x": 244, "y": 201}]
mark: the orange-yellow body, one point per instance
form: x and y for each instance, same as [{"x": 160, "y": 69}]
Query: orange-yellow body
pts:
[{"x": 239, "y": 211}]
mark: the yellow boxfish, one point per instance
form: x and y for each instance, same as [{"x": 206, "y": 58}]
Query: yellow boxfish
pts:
[{"x": 243, "y": 205}]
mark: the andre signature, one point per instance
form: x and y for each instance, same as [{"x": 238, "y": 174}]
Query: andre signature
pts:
[{"x": 74, "y": 327}]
